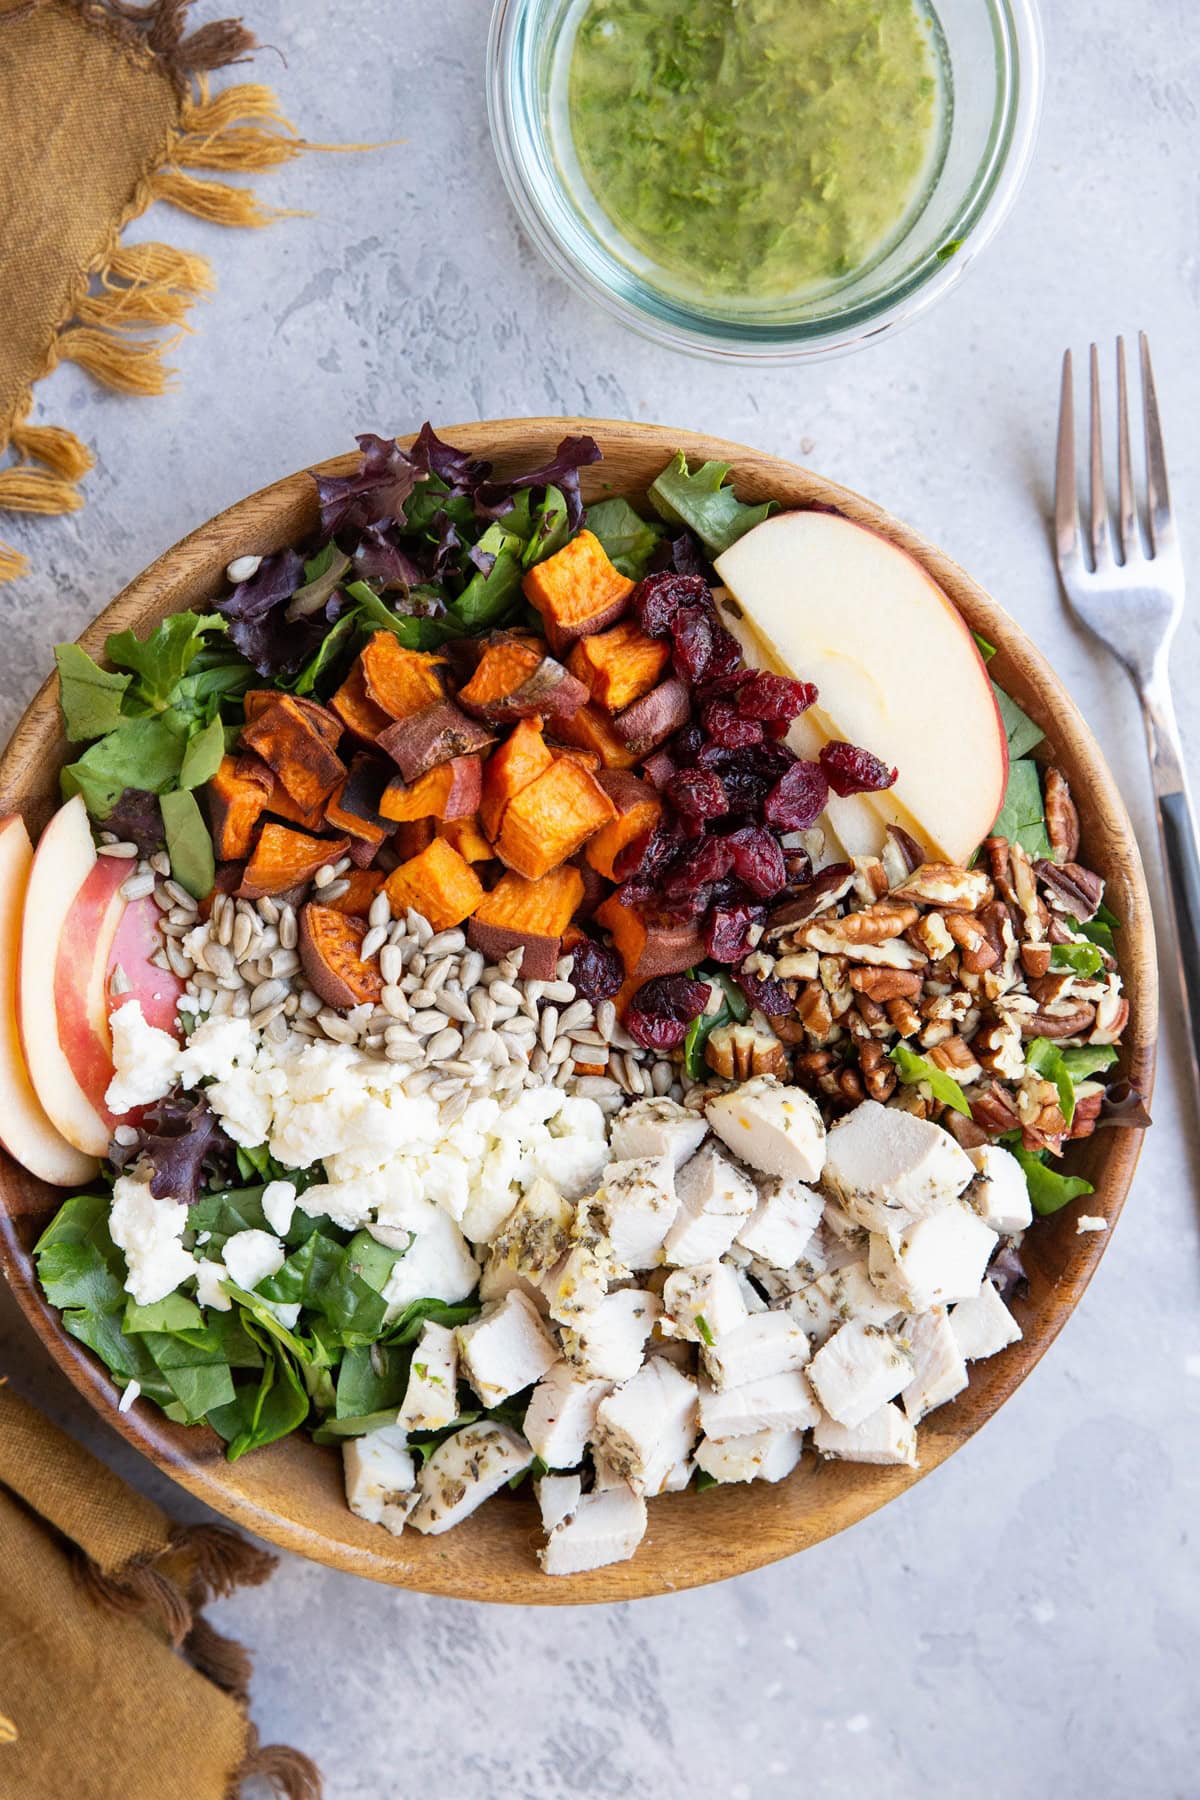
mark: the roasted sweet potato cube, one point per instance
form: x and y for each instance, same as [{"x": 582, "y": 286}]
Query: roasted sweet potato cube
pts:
[
  {"x": 552, "y": 818},
  {"x": 577, "y": 591},
  {"x": 410, "y": 838},
  {"x": 291, "y": 743},
  {"x": 506, "y": 663},
  {"x": 355, "y": 708},
  {"x": 619, "y": 666},
  {"x": 530, "y": 914},
  {"x": 237, "y": 796},
  {"x": 465, "y": 836},
  {"x": 592, "y": 729},
  {"x": 282, "y": 806},
  {"x": 516, "y": 680},
  {"x": 354, "y": 805},
  {"x": 658, "y": 715},
  {"x": 399, "y": 681},
  {"x": 435, "y": 735},
  {"x": 451, "y": 791},
  {"x": 284, "y": 859},
  {"x": 438, "y": 884},
  {"x": 330, "y": 946},
  {"x": 511, "y": 766},
  {"x": 256, "y": 701},
  {"x": 646, "y": 948},
  {"x": 356, "y": 900},
  {"x": 638, "y": 811},
  {"x": 587, "y": 759}
]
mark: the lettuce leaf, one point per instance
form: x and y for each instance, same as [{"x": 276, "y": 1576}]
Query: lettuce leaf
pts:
[
  {"x": 1083, "y": 959},
  {"x": 629, "y": 540},
  {"x": 1049, "y": 1191},
  {"x": 912, "y": 1069},
  {"x": 189, "y": 845},
  {"x": 1046, "y": 1057},
  {"x": 90, "y": 697},
  {"x": 700, "y": 500},
  {"x": 1022, "y": 818},
  {"x": 141, "y": 753},
  {"x": 1019, "y": 728},
  {"x": 1085, "y": 1060}
]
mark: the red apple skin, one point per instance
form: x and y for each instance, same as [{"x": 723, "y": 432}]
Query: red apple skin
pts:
[
  {"x": 80, "y": 984},
  {"x": 26, "y": 1131},
  {"x": 137, "y": 939}
]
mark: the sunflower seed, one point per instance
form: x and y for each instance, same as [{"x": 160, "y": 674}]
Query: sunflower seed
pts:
[
  {"x": 597, "y": 1087},
  {"x": 606, "y": 1019},
  {"x": 219, "y": 958},
  {"x": 428, "y": 1021},
  {"x": 268, "y": 910},
  {"x": 222, "y": 1002},
  {"x": 277, "y": 1029},
  {"x": 122, "y": 852},
  {"x": 444, "y": 1090},
  {"x": 289, "y": 929},
  {"x": 261, "y": 1016},
  {"x": 334, "y": 891},
  {"x": 243, "y": 568},
  {"x": 341, "y": 865},
  {"x": 455, "y": 1007},
  {"x": 662, "y": 1075},
  {"x": 307, "y": 1028},
  {"x": 564, "y": 967},
  {"x": 267, "y": 993},
  {"x": 478, "y": 1046},
  {"x": 380, "y": 910},
  {"x": 335, "y": 1027},
  {"x": 179, "y": 894},
  {"x": 324, "y": 875},
  {"x": 469, "y": 970},
  {"x": 391, "y": 964},
  {"x": 182, "y": 965},
  {"x": 539, "y": 1062},
  {"x": 437, "y": 975},
  {"x": 225, "y": 918},
  {"x": 137, "y": 887},
  {"x": 455, "y": 1065},
  {"x": 620, "y": 1039},
  {"x": 160, "y": 862},
  {"x": 593, "y": 1039},
  {"x": 310, "y": 1004},
  {"x": 455, "y": 1106},
  {"x": 421, "y": 1082},
  {"x": 483, "y": 1006},
  {"x": 243, "y": 936},
  {"x": 118, "y": 981},
  {"x": 402, "y": 1053},
  {"x": 446, "y": 943},
  {"x": 561, "y": 992},
  {"x": 241, "y": 1004},
  {"x": 563, "y": 1051},
  {"x": 283, "y": 963},
  {"x": 374, "y": 941},
  {"x": 579, "y": 1013},
  {"x": 395, "y": 1001},
  {"x": 548, "y": 1027},
  {"x": 418, "y": 927},
  {"x": 291, "y": 1006},
  {"x": 443, "y": 1044},
  {"x": 504, "y": 994}
]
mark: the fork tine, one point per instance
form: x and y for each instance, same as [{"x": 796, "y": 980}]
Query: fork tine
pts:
[
  {"x": 1158, "y": 491},
  {"x": 1127, "y": 525},
  {"x": 1098, "y": 497},
  {"x": 1066, "y": 503}
]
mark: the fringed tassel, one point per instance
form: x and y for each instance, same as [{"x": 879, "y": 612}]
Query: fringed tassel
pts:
[
  {"x": 219, "y": 1659},
  {"x": 216, "y": 201},
  {"x": 59, "y": 449},
  {"x": 218, "y": 132},
  {"x": 27, "y": 490},
  {"x": 221, "y": 1559},
  {"x": 131, "y": 365},
  {"x": 287, "y": 1772},
  {"x": 160, "y": 264},
  {"x": 140, "y": 1588},
  {"x": 12, "y": 563}
]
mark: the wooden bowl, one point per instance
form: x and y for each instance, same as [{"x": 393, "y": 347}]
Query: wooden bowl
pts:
[{"x": 292, "y": 1492}]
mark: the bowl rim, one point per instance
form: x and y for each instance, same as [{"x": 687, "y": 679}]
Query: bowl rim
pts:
[
  {"x": 980, "y": 214},
  {"x": 693, "y": 1539}
]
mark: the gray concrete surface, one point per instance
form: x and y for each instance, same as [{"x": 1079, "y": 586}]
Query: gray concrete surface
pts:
[{"x": 1026, "y": 1623}]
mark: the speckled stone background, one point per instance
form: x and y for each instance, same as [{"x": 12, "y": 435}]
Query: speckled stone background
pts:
[{"x": 1026, "y": 1623}]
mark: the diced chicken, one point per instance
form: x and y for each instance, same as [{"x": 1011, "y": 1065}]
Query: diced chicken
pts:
[
  {"x": 557, "y": 1498},
  {"x": 782, "y": 1224},
  {"x": 934, "y": 1260},
  {"x": 886, "y": 1437},
  {"x": 430, "y": 1399},
  {"x": 536, "y": 1233},
  {"x": 843, "y": 1294},
  {"x": 562, "y": 1415},
  {"x": 577, "y": 1284},
  {"x": 767, "y": 1344},
  {"x": 858, "y": 1370},
  {"x": 841, "y": 1226},
  {"x": 939, "y": 1369},
  {"x": 634, "y": 1209},
  {"x": 983, "y": 1325},
  {"x": 605, "y": 1527},
  {"x": 886, "y": 1167},
  {"x": 499, "y": 1279},
  {"x": 999, "y": 1192},
  {"x": 716, "y": 1199},
  {"x": 505, "y": 1349},
  {"x": 609, "y": 1341},
  {"x": 777, "y": 1403},
  {"x": 648, "y": 1426},
  {"x": 677, "y": 1479},
  {"x": 463, "y": 1472},
  {"x": 381, "y": 1480},
  {"x": 658, "y": 1128},
  {"x": 776, "y": 1129},
  {"x": 703, "y": 1304},
  {"x": 763, "y": 1277},
  {"x": 758, "y": 1456}
]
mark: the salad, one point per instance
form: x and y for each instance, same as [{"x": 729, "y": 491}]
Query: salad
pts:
[{"x": 508, "y": 1000}]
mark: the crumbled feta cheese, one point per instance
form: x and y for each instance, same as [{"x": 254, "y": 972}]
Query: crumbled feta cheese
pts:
[
  {"x": 782, "y": 1224},
  {"x": 144, "y": 1060},
  {"x": 431, "y": 1397},
  {"x": 940, "y": 1371},
  {"x": 934, "y": 1260},
  {"x": 209, "y": 1276},
  {"x": 634, "y": 1209},
  {"x": 658, "y": 1128},
  {"x": 608, "y": 1341},
  {"x": 557, "y": 1497},
  {"x": 464, "y": 1471},
  {"x": 860, "y": 1368},
  {"x": 380, "y": 1478},
  {"x": 649, "y": 1425},
  {"x": 606, "y": 1526},
  {"x": 999, "y": 1192},
  {"x": 438, "y": 1266},
  {"x": 505, "y": 1349},
  {"x": 703, "y": 1303},
  {"x": 777, "y": 1403},
  {"x": 767, "y": 1344},
  {"x": 886, "y": 1437},
  {"x": 776, "y": 1129},
  {"x": 216, "y": 1049},
  {"x": 844, "y": 1293},
  {"x": 561, "y": 1416},
  {"x": 149, "y": 1231},
  {"x": 716, "y": 1199},
  {"x": 886, "y": 1166},
  {"x": 757, "y": 1456},
  {"x": 279, "y": 1204},
  {"x": 1089, "y": 1222},
  {"x": 250, "y": 1256},
  {"x": 983, "y": 1325}
]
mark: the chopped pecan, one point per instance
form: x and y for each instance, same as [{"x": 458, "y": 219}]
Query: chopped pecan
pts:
[
  {"x": 870, "y": 1011},
  {"x": 1087, "y": 1111},
  {"x": 994, "y": 1111},
  {"x": 878, "y": 1075},
  {"x": 1047, "y": 988},
  {"x": 814, "y": 1011},
  {"x": 850, "y": 1086},
  {"x": 956, "y": 1056},
  {"x": 1071, "y": 888},
  {"x": 1062, "y": 1019},
  {"x": 901, "y": 854},
  {"x": 1062, "y": 819},
  {"x": 995, "y": 849},
  {"x": 1035, "y": 959},
  {"x": 894, "y": 953},
  {"x": 789, "y": 1029},
  {"x": 876, "y": 924},
  {"x": 944, "y": 884},
  {"x": 1028, "y": 903},
  {"x": 870, "y": 880},
  {"x": 885, "y": 984},
  {"x": 739, "y": 1051},
  {"x": 997, "y": 1047},
  {"x": 1112, "y": 1014},
  {"x": 931, "y": 935},
  {"x": 810, "y": 1065},
  {"x": 903, "y": 1015},
  {"x": 977, "y": 951},
  {"x": 800, "y": 966},
  {"x": 816, "y": 896},
  {"x": 968, "y": 1133}
]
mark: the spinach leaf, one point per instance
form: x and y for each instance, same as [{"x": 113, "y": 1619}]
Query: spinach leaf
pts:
[
  {"x": 406, "y": 1329},
  {"x": 912, "y": 1068},
  {"x": 175, "y": 1313},
  {"x": 262, "y": 1412},
  {"x": 371, "y": 1379},
  {"x": 488, "y": 598},
  {"x": 188, "y": 843},
  {"x": 142, "y": 753},
  {"x": 90, "y": 697},
  {"x": 1085, "y": 1060},
  {"x": 78, "y": 1264},
  {"x": 416, "y": 632},
  {"x": 1049, "y": 1191},
  {"x": 551, "y": 528},
  {"x": 161, "y": 660},
  {"x": 1019, "y": 728},
  {"x": 629, "y": 540},
  {"x": 336, "y": 639},
  {"x": 986, "y": 650},
  {"x": 700, "y": 500},
  {"x": 336, "y": 1431},
  {"x": 1046, "y": 1057},
  {"x": 1022, "y": 818},
  {"x": 1084, "y": 959},
  {"x": 202, "y": 755},
  {"x": 1098, "y": 930}
]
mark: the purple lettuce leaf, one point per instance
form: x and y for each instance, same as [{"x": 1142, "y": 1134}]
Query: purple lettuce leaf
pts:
[
  {"x": 461, "y": 472},
  {"x": 494, "y": 498},
  {"x": 378, "y": 558},
  {"x": 259, "y": 626},
  {"x": 373, "y": 495},
  {"x": 184, "y": 1141},
  {"x": 137, "y": 819}
]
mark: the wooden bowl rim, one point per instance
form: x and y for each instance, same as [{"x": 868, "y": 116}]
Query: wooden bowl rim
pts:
[{"x": 704, "y": 1537}]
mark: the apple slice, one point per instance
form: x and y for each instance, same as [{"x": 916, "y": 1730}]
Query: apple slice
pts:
[
  {"x": 896, "y": 668},
  {"x": 25, "y": 1128},
  {"x": 137, "y": 939}
]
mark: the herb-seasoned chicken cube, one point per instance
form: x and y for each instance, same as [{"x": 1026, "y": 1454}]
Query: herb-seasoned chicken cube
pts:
[
  {"x": 857, "y": 1371},
  {"x": 430, "y": 1399},
  {"x": 886, "y": 1437},
  {"x": 703, "y": 1304},
  {"x": 776, "y": 1403},
  {"x": 608, "y": 1342},
  {"x": 648, "y": 1426},
  {"x": 757, "y": 1456},
  {"x": 381, "y": 1480},
  {"x": 886, "y": 1167},
  {"x": 561, "y": 1417},
  {"x": 634, "y": 1208},
  {"x": 776, "y": 1129},
  {"x": 506, "y": 1348},
  {"x": 983, "y": 1325},
  {"x": 658, "y": 1128},
  {"x": 557, "y": 1498},
  {"x": 463, "y": 1472},
  {"x": 940, "y": 1371},
  {"x": 606, "y": 1526},
  {"x": 999, "y": 1192},
  {"x": 839, "y": 1296},
  {"x": 716, "y": 1199},
  {"x": 933, "y": 1261},
  {"x": 767, "y": 1344},
  {"x": 780, "y": 1228}
]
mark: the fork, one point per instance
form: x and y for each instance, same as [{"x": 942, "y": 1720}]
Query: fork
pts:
[{"x": 1134, "y": 606}]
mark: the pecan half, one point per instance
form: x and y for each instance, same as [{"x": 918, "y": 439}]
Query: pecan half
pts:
[
  {"x": 739, "y": 1051},
  {"x": 944, "y": 884},
  {"x": 1035, "y": 959},
  {"x": 814, "y": 1011},
  {"x": 955, "y": 1055},
  {"x": 877, "y": 924},
  {"x": 885, "y": 984},
  {"x": 994, "y": 1111},
  {"x": 1087, "y": 1111},
  {"x": 1068, "y": 1018},
  {"x": 972, "y": 940},
  {"x": 878, "y": 1076},
  {"x": 1071, "y": 888},
  {"x": 1062, "y": 819}
]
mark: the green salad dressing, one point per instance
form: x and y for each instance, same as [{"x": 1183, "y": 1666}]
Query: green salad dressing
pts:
[{"x": 754, "y": 148}]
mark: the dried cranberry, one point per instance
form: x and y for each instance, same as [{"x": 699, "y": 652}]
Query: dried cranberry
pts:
[
  {"x": 727, "y": 931},
  {"x": 692, "y": 632},
  {"x": 768, "y": 696},
  {"x": 687, "y": 744},
  {"x": 726, "y": 653},
  {"x": 661, "y": 1010},
  {"x": 596, "y": 972},
  {"x": 726, "y": 726},
  {"x": 798, "y": 798},
  {"x": 697, "y": 794},
  {"x": 657, "y": 599},
  {"x": 708, "y": 860},
  {"x": 645, "y": 857},
  {"x": 770, "y": 997},
  {"x": 722, "y": 686},
  {"x": 851, "y": 770},
  {"x": 758, "y": 860}
]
